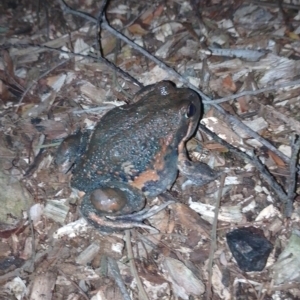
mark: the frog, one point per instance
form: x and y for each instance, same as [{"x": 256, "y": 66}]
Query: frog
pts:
[{"x": 135, "y": 152}]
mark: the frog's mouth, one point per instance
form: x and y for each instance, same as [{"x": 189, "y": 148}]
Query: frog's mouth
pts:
[
  {"x": 189, "y": 133},
  {"x": 188, "y": 128},
  {"x": 192, "y": 113}
]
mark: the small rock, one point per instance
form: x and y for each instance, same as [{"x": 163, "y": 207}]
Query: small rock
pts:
[{"x": 250, "y": 248}]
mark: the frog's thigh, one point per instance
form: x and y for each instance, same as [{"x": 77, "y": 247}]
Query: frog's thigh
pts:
[{"x": 113, "y": 198}]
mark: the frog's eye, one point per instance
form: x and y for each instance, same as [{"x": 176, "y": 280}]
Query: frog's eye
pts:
[{"x": 191, "y": 110}]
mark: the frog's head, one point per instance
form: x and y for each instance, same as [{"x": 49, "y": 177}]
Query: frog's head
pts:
[{"x": 188, "y": 109}]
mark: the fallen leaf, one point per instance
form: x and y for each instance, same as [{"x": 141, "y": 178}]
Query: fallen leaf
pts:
[
  {"x": 278, "y": 161},
  {"x": 137, "y": 29},
  {"x": 243, "y": 103},
  {"x": 229, "y": 84},
  {"x": 215, "y": 147},
  {"x": 293, "y": 35}
]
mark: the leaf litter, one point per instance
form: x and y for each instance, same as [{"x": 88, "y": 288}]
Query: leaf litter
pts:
[{"x": 53, "y": 82}]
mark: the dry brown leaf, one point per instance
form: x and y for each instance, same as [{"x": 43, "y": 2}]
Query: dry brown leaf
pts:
[
  {"x": 210, "y": 113},
  {"x": 108, "y": 44},
  {"x": 244, "y": 105},
  {"x": 160, "y": 221},
  {"x": 6, "y": 230},
  {"x": 189, "y": 27},
  {"x": 159, "y": 10},
  {"x": 4, "y": 92},
  {"x": 184, "y": 281},
  {"x": 223, "y": 131},
  {"x": 215, "y": 147},
  {"x": 229, "y": 84},
  {"x": 278, "y": 161},
  {"x": 189, "y": 219},
  {"x": 148, "y": 15},
  {"x": 13, "y": 84},
  {"x": 9, "y": 66},
  {"x": 137, "y": 29},
  {"x": 293, "y": 36}
]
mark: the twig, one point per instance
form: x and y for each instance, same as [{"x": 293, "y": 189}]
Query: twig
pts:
[
  {"x": 117, "y": 276},
  {"x": 94, "y": 109},
  {"x": 283, "y": 197},
  {"x": 213, "y": 243},
  {"x": 286, "y": 286},
  {"x": 273, "y": 4},
  {"x": 253, "y": 93},
  {"x": 133, "y": 269},
  {"x": 206, "y": 99},
  {"x": 74, "y": 284},
  {"x": 282, "y": 15},
  {"x": 32, "y": 242},
  {"x": 98, "y": 27},
  {"x": 114, "y": 77},
  {"x": 295, "y": 147}
]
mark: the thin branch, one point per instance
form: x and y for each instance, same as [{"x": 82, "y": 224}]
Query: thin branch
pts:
[
  {"x": 253, "y": 93},
  {"x": 295, "y": 147},
  {"x": 213, "y": 243},
  {"x": 133, "y": 269},
  {"x": 98, "y": 27},
  {"x": 82, "y": 293},
  {"x": 273, "y": 4}
]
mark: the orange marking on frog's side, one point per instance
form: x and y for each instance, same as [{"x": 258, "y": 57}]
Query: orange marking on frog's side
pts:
[
  {"x": 159, "y": 158},
  {"x": 144, "y": 177},
  {"x": 158, "y": 165}
]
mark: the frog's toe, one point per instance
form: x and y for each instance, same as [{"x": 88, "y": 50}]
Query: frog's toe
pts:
[
  {"x": 143, "y": 214},
  {"x": 112, "y": 223},
  {"x": 109, "y": 226}
]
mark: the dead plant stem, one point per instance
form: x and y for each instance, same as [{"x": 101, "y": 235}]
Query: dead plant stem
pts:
[
  {"x": 213, "y": 243},
  {"x": 133, "y": 268}
]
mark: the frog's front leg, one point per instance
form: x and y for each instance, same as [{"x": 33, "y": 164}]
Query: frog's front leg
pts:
[{"x": 198, "y": 172}]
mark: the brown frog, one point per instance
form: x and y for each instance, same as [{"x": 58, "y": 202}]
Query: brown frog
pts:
[{"x": 136, "y": 150}]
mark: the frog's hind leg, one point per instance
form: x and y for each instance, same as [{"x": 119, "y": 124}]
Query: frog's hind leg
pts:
[{"x": 117, "y": 206}]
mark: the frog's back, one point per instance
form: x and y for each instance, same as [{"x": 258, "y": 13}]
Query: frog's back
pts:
[
  {"x": 138, "y": 143},
  {"x": 124, "y": 145}
]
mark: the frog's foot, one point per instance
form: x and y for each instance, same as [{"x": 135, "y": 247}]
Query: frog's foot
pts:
[
  {"x": 143, "y": 214},
  {"x": 117, "y": 223},
  {"x": 103, "y": 224},
  {"x": 198, "y": 172}
]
